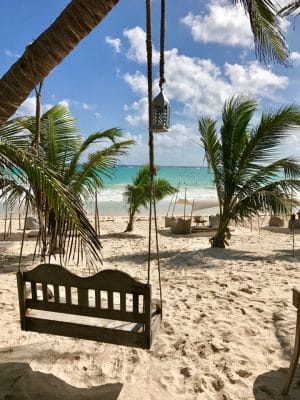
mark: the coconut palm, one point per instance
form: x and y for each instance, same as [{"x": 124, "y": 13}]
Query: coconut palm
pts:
[
  {"x": 138, "y": 194},
  {"x": 62, "y": 148},
  {"x": 19, "y": 166},
  {"x": 248, "y": 175},
  {"x": 80, "y": 17}
]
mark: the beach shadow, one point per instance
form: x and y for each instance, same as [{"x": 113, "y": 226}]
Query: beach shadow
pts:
[
  {"x": 175, "y": 259},
  {"x": 228, "y": 253},
  {"x": 17, "y": 236},
  {"x": 121, "y": 235},
  {"x": 282, "y": 230},
  {"x": 268, "y": 386},
  {"x": 138, "y": 258},
  {"x": 284, "y": 332},
  {"x": 287, "y": 253},
  {"x": 9, "y": 263},
  {"x": 19, "y": 382}
]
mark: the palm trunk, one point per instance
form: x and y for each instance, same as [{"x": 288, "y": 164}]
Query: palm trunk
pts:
[
  {"x": 130, "y": 222},
  {"x": 219, "y": 240},
  {"x": 76, "y": 21}
]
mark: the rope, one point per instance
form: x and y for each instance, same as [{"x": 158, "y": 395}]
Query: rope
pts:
[
  {"x": 151, "y": 146},
  {"x": 162, "y": 44},
  {"x": 158, "y": 256},
  {"x": 151, "y": 153},
  {"x": 23, "y": 233}
]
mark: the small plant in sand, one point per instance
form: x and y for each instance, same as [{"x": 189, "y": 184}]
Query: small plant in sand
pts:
[
  {"x": 244, "y": 161},
  {"x": 138, "y": 194}
]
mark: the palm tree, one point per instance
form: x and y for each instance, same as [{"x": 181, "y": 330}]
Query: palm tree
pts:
[
  {"x": 138, "y": 194},
  {"x": 75, "y": 22},
  {"x": 62, "y": 148},
  {"x": 248, "y": 176},
  {"x": 21, "y": 169},
  {"x": 80, "y": 17}
]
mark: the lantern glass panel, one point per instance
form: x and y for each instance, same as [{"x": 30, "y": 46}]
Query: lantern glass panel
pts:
[{"x": 160, "y": 114}]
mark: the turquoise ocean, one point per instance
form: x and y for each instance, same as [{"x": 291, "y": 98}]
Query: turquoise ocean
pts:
[{"x": 196, "y": 182}]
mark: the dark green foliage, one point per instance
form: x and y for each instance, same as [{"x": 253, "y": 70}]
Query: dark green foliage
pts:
[
  {"x": 138, "y": 194},
  {"x": 244, "y": 161}
]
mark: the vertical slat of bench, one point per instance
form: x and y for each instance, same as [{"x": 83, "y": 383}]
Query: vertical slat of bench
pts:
[
  {"x": 110, "y": 300},
  {"x": 45, "y": 292},
  {"x": 83, "y": 299},
  {"x": 21, "y": 294},
  {"x": 33, "y": 291},
  {"x": 147, "y": 305},
  {"x": 135, "y": 303},
  {"x": 56, "y": 294},
  {"x": 123, "y": 301},
  {"x": 97, "y": 299},
  {"x": 68, "y": 295}
]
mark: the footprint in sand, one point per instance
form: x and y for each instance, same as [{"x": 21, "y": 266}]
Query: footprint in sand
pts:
[{"x": 244, "y": 373}]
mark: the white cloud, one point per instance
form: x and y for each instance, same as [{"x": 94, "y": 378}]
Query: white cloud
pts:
[
  {"x": 138, "y": 113},
  {"x": 27, "y": 108},
  {"x": 137, "y": 82},
  {"x": 65, "y": 103},
  {"x": 98, "y": 115},
  {"x": 170, "y": 149},
  {"x": 139, "y": 152},
  {"x": 226, "y": 24},
  {"x": 200, "y": 87},
  {"x": 114, "y": 43},
  {"x": 11, "y": 54},
  {"x": 78, "y": 104},
  {"x": 295, "y": 57},
  {"x": 137, "y": 50},
  {"x": 254, "y": 78},
  {"x": 179, "y": 147},
  {"x": 223, "y": 24}
]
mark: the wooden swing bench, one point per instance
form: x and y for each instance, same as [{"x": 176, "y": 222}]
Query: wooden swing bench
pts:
[{"x": 109, "y": 306}]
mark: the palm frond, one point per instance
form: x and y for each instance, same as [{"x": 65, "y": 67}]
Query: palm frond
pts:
[
  {"x": 291, "y": 8},
  {"x": 270, "y": 44},
  {"x": 272, "y": 129},
  {"x": 63, "y": 202},
  {"x": 97, "y": 137},
  {"x": 99, "y": 164}
]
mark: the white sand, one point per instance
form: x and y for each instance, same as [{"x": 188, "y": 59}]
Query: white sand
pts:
[{"x": 227, "y": 332}]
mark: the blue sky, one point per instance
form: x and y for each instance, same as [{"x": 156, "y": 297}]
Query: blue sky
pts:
[{"x": 209, "y": 57}]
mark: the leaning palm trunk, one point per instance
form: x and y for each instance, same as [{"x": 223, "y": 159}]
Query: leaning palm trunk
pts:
[
  {"x": 129, "y": 227},
  {"x": 76, "y": 21},
  {"x": 80, "y": 17},
  {"x": 223, "y": 233}
]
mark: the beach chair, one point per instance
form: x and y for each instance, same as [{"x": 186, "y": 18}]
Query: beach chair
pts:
[
  {"x": 181, "y": 226},
  {"x": 296, "y": 353}
]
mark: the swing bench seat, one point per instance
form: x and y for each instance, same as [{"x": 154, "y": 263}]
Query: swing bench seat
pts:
[{"x": 109, "y": 306}]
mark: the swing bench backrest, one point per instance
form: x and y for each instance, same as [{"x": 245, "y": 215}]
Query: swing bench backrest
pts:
[{"x": 109, "y": 306}]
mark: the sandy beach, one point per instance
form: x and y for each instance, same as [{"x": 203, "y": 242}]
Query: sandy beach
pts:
[{"x": 227, "y": 332}]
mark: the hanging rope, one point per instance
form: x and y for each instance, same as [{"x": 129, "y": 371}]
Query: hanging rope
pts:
[
  {"x": 151, "y": 148},
  {"x": 162, "y": 44},
  {"x": 23, "y": 234},
  {"x": 151, "y": 155}
]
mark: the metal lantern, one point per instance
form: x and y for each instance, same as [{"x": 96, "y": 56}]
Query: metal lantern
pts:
[{"x": 160, "y": 113}]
